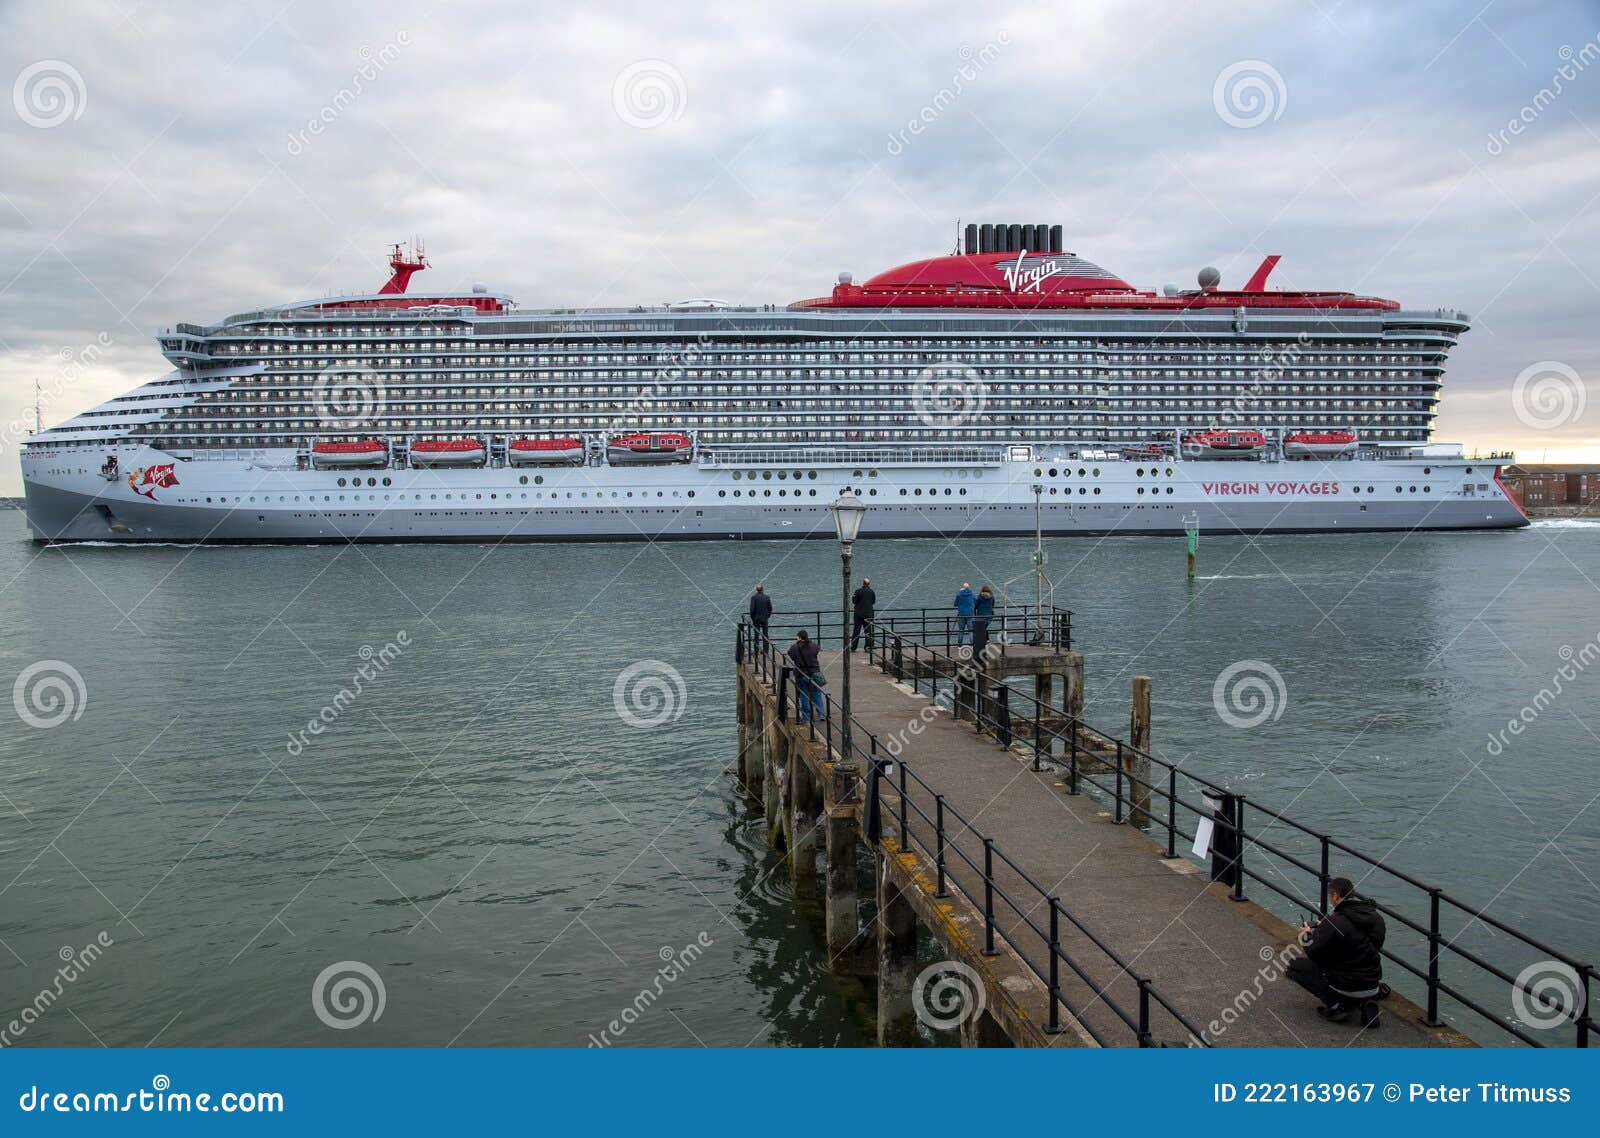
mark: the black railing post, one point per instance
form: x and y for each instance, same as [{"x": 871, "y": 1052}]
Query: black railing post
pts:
[
  {"x": 1172, "y": 813},
  {"x": 1584, "y": 1009},
  {"x": 905, "y": 840},
  {"x": 1117, "y": 817},
  {"x": 1054, "y": 1026},
  {"x": 1322, "y": 876},
  {"x": 1238, "y": 855},
  {"x": 1144, "y": 1013},
  {"x": 988, "y": 897},
  {"x": 1432, "y": 1019},
  {"x": 938, "y": 838}
]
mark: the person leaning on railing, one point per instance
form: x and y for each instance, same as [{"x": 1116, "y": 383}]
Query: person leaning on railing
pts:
[
  {"x": 808, "y": 677},
  {"x": 1343, "y": 961}
]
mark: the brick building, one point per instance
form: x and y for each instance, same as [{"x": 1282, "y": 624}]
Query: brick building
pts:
[{"x": 1553, "y": 484}]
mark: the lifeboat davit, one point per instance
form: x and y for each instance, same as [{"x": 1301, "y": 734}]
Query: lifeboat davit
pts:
[
  {"x": 544, "y": 452},
  {"x": 1225, "y": 444},
  {"x": 1319, "y": 444},
  {"x": 356, "y": 453},
  {"x": 649, "y": 446},
  {"x": 447, "y": 452}
]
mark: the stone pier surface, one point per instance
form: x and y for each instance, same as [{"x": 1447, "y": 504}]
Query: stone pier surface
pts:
[{"x": 1219, "y": 961}]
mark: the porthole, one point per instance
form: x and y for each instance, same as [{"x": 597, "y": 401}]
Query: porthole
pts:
[
  {"x": 1097, "y": 472},
  {"x": 782, "y": 474},
  {"x": 766, "y": 474},
  {"x": 1427, "y": 489},
  {"x": 919, "y": 491},
  {"x": 341, "y": 482},
  {"x": 390, "y": 481},
  {"x": 963, "y": 490},
  {"x": 1169, "y": 489},
  {"x": 1097, "y": 489},
  {"x": 1037, "y": 472},
  {"x": 1083, "y": 489},
  {"x": 797, "y": 476},
  {"x": 1081, "y": 472},
  {"x": 1141, "y": 489},
  {"x": 523, "y": 480},
  {"x": 1139, "y": 473},
  {"x": 1052, "y": 472},
  {"x": 737, "y": 475},
  {"x": 538, "y": 478}
]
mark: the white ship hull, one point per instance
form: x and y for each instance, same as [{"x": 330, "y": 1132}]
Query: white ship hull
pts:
[{"x": 265, "y": 497}]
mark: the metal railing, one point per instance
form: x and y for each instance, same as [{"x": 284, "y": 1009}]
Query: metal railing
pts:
[
  {"x": 1010, "y": 625},
  {"x": 1242, "y": 826},
  {"x": 991, "y": 881}
]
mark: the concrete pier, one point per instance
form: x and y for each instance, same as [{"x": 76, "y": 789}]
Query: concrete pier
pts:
[{"x": 1218, "y": 962}]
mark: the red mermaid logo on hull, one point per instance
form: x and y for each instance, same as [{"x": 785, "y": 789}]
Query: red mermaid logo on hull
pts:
[{"x": 155, "y": 477}]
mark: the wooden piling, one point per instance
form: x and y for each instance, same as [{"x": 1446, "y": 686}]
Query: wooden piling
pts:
[
  {"x": 897, "y": 962},
  {"x": 1135, "y": 760}
]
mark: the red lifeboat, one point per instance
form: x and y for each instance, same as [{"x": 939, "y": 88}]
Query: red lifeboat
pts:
[
  {"x": 545, "y": 452},
  {"x": 649, "y": 447},
  {"x": 353, "y": 453},
  {"x": 447, "y": 452},
  {"x": 1225, "y": 444},
  {"x": 1320, "y": 444}
]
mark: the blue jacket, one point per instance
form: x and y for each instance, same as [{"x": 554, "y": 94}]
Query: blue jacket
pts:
[
  {"x": 985, "y": 606},
  {"x": 966, "y": 600}
]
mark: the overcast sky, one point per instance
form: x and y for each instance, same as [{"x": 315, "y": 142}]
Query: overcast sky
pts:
[{"x": 157, "y": 164}]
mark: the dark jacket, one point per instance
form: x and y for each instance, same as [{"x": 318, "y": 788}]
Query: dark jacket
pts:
[
  {"x": 984, "y": 606},
  {"x": 1345, "y": 945},
  {"x": 760, "y": 606},
  {"x": 864, "y": 601},
  {"x": 805, "y": 656},
  {"x": 965, "y": 600}
]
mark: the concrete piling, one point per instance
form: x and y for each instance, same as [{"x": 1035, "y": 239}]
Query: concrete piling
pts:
[
  {"x": 1134, "y": 760},
  {"x": 897, "y": 962}
]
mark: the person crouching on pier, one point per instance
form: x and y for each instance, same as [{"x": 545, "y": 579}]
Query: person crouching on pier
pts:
[
  {"x": 808, "y": 667},
  {"x": 1342, "y": 965}
]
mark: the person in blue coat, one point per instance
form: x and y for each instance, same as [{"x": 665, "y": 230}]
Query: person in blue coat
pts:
[{"x": 966, "y": 602}]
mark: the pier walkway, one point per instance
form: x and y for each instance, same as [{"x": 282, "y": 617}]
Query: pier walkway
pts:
[{"x": 1048, "y": 863}]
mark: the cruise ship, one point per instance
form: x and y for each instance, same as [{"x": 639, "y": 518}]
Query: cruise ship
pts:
[{"x": 1008, "y": 384}]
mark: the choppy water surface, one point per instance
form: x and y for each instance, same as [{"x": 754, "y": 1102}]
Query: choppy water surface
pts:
[{"x": 477, "y": 825}]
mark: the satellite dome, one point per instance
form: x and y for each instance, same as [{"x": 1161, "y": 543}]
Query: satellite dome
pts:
[
  {"x": 480, "y": 289},
  {"x": 1209, "y": 277},
  {"x": 845, "y": 278},
  {"x": 1169, "y": 290}
]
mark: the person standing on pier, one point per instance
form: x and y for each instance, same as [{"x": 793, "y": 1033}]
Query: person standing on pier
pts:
[
  {"x": 982, "y": 614},
  {"x": 807, "y": 663},
  {"x": 760, "y": 611},
  {"x": 863, "y": 603},
  {"x": 1343, "y": 964},
  {"x": 966, "y": 601}
]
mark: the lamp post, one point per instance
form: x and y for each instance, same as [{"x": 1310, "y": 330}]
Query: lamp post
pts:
[{"x": 847, "y": 510}]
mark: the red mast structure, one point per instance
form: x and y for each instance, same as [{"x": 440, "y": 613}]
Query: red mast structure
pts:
[{"x": 403, "y": 261}]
